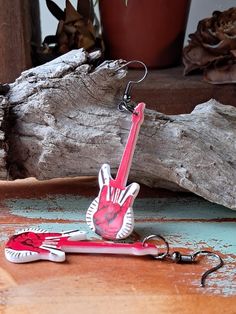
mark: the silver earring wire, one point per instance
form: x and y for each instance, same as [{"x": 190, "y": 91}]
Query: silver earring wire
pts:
[
  {"x": 211, "y": 270},
  {"x": 124, "y": 104},
  {"x": 177, "y": 257}
]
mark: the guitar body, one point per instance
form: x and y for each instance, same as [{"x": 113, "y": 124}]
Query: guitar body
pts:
[
  {"x": 111, "y": 214},
  {"x": 35, "y": 244}
]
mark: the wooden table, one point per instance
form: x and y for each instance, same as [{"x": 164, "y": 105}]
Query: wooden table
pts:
[{"x": 116, "y": 284}]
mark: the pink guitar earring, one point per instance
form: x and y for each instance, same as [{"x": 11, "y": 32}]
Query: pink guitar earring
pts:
[
  {"x": 34, "y": 244},
  {"x": 110, "y": 215}
]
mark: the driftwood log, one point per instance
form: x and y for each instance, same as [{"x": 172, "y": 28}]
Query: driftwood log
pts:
[{"x": 63, "y": 121}]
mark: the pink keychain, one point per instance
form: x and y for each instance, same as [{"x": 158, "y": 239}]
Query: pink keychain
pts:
[{"x": 110, "y": 215}]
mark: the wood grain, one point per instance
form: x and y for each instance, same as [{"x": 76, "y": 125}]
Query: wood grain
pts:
[
  {"x": 65, "y": 123},
  {"x": 16, "y": 37},
  {"x": 97, "y": 283}
]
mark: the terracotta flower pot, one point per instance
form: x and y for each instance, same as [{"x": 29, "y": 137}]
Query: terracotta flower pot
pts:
[{"x": 151, "y": 31}]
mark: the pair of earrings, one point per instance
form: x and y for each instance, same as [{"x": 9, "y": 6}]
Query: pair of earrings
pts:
[{"x": 110, "y": 215}]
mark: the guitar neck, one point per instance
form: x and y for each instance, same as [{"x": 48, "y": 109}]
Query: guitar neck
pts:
[
  {"x": 106, "y": 247},
  {"x": 126, "y": 160}
]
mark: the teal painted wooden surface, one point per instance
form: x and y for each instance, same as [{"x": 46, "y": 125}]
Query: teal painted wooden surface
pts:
[
  {"x": 191, "y": 223},
  {"x": 74, "y": 207}
]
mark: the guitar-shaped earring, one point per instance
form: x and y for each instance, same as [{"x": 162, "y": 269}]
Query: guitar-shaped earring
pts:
[
  {"x": 110, "y": 215},
  {"x": 34, "y": 244}
]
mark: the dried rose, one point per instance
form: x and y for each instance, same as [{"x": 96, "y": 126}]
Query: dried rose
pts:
[{"x": 212, "y": 48}]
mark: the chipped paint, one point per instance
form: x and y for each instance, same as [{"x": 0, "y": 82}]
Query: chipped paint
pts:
[
  {"x": 183, "y": 235},
  {"x": 71, "y": 208},
  {"x": 220, "y": 236},
  {"x": 190, "y": 222},
  {"x": 75, "y": 207}
]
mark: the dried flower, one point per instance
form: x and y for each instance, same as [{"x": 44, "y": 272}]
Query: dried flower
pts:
[
  {"x": 212, "y": 48},
  {"x": 76, "y": 29}
]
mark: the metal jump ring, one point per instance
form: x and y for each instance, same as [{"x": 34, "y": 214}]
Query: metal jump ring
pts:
[{"x": 155, "y": 236}]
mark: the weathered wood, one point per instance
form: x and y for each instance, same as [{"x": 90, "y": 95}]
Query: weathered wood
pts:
[
  {"x": 66, "y": 124},
  {"x": 18, "y": 32}
]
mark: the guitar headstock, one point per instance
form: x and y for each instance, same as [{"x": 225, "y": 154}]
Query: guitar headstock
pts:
[{"x": 138, "y": 114}]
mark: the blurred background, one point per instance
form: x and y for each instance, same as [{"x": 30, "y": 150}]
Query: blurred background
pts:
[
  {"x": 199, "y": 9},
  {"x": 152, "y": 31}
]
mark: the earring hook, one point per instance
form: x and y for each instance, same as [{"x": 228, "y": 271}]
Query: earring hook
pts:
[
  {"x": 177, "y": 257},
  {"x": 211, "y": 270},
  {"x": 124, "y": 104}
]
